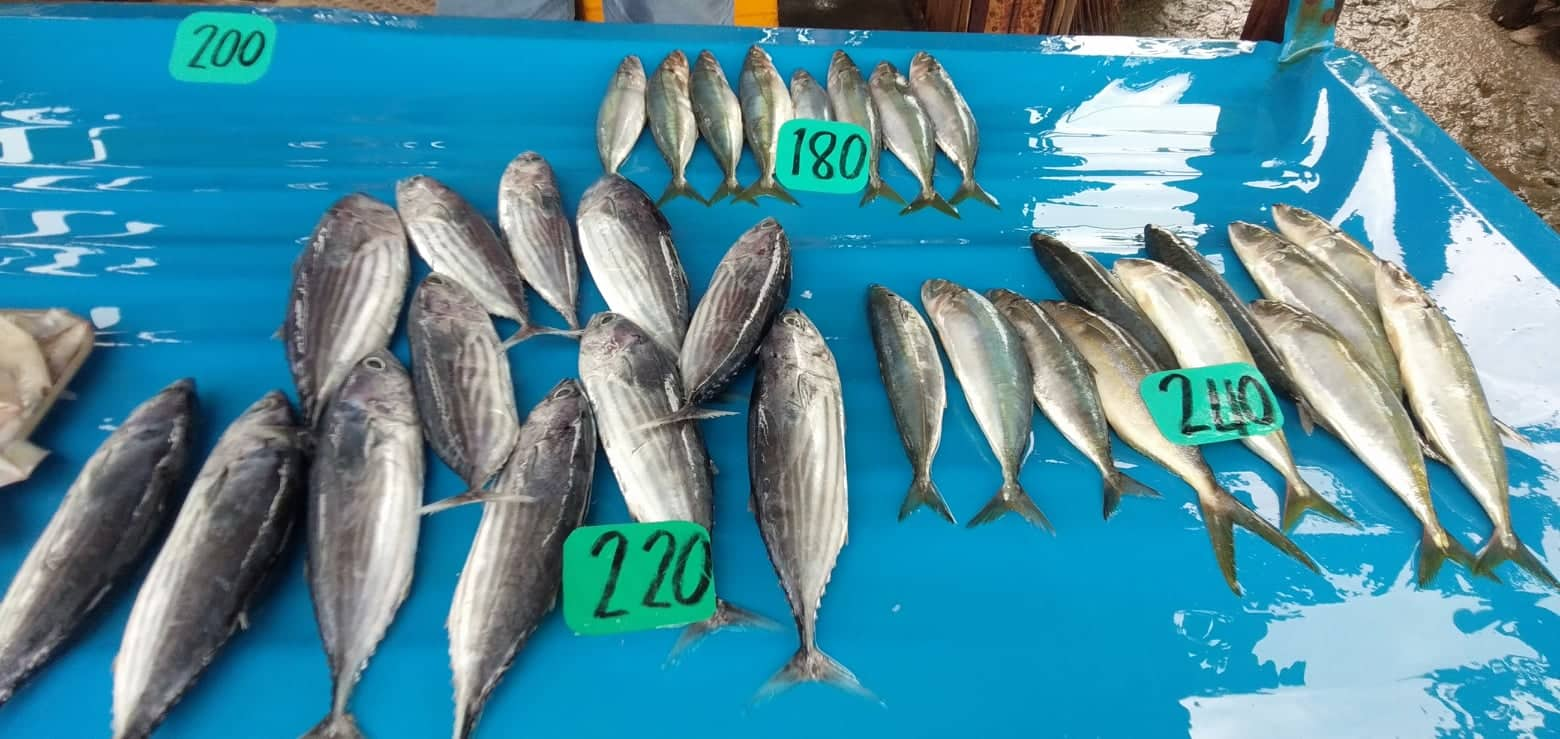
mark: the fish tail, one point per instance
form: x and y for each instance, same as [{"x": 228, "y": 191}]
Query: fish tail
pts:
[
  {"x": 924, "y": 492},
  {"x": 877, "y": 188},
  {"x": 728, "y": 187},
  {"x": 811, "y": 665},
  {"x": 727, "y": 616},
  {"x": 1221, "y": 514},
  {"x": 475, "y": 495},
  {"x": 1012, "y": 497},
  {"x": 1435, "y": 547},
  {"x": 1301, "y": 497},
  {"x": 689, "y": 412},
  {"x": 1507, "y": 546},
  {"x": 1117, "y": 484},
  {"x": 1514, "y": 438},
  {"x": 767, "y": 185},
  {"x": 680, "y": 187},
  {"x": 532, "y": 330},
  {"x": 18, "y": 459},
  {"x": 969, "y": 188},
  {"x": 336, "y": 726},
  {"x": 929, "y": 197}
]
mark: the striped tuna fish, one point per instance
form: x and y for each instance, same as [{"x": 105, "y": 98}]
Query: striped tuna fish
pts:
[
  {"x": 750, "y": 286},
  {"x": 628, "y": 247},
  {"x": 540, "y": 237}
]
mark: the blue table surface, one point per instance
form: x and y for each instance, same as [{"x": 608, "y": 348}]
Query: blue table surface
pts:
[{"x": 170, "y": 214}]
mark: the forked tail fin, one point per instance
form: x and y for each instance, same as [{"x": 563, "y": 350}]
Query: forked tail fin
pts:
[
  {"x": 969, "y": 188},
  {"x": 1507, "y": 546},
  {"x": 877, "y": 188},
  {"x": 929, "y": 198},
  {"x": 729, "y": 186},
  {"x": 336, "y": 726},
  {"x": 1221, "y": 514},
  {"x": 726, "y": 616},
  {"x": 924, "y": 492},
  {"x": 1012, "y": 497},
  {"x": 766, "y": 185},
  {"x": 1117, "y": 484},
  {"x": 1301, "y": 497},
  {"x": 679, "y": 187},
  {"x": 810, "y": 664}
]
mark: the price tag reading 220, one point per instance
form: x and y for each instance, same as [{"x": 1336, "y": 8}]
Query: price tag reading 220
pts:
[
  {"x": 631, "y": 577},
  {"x": 823, "y": 156},
  {"x": 222, "y": 48},
  {"x": 1203, "y": 405}
]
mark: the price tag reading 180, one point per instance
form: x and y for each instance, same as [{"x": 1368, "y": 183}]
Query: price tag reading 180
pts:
[
  {"x": 631, "y": 577},
  {"x": 1203, "y": 405},
  {"x": 222, "y": 48},
  {"x": 823, "y": 156}
]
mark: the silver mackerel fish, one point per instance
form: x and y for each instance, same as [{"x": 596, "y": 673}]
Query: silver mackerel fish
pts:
[
  {"x": 766, "y": 106},
  {"x": 621, "y": 119},
  {"x": 907, "y": 131},
  {"x": 956, "y": 131},
  {"x": 917, "y": 392},
  {"x": 851, "y": 101},
  {"x": 672, "y": 123},
  {"x": 808, "y": 99},
  {"x": 539, "y": 234},
  {"x": 628, "y": 247},
  {"x": 719, "y": 116}
]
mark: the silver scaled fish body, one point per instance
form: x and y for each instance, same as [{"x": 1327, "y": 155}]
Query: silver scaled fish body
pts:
[
  {"x": 539, "y": 234},
  {"x": 719, "y": 116},
  {"x": 672, "y": 123},
  {"x": 851, "y": 101},
  {"x": 917, "y": 392},
  {"x": 747, "y": 291},
  {"x": 1081, "y": 279},
  {"x": 766, "y": 106},
  {"x": 1350, "y": 259},
  {"x": 627, "y": 245},
  {"x": 954, "y": 125},
  {"x": 908, "y": 133},
  {"x": 621, "y": 119}
]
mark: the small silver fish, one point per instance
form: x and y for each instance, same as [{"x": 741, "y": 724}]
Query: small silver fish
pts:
[
  {"x": 749, "y": 287},
  {"x": 347, "y": 289},
  {"x": 1083, "y": 280},
  {"x": 1448, "y": 401},
  {"x": 465, "y": 394},
  {"x": 719, "y": 116},
  {"x": 1120, "y": 365},
  {"x": 907, "y": 131},
  {"x": 122, "y": 499},
  {"x": 628, "y": 248},
  {"x": 851, "y": 102},
  {"x": 1351, "y": 400},
  {"x": 917, "y": 393},
  {"x": 766, "y": 106},
  {"x": 539, "y": 233},
  {"x": 808, "y": 100},
  {"x": 993, "y": 370},
  {"x": 796, "y": 452},
  {"x": 672, "y": 124},
  {"x": 956, "y": 131},
  {"x": 225, "y": 540},
  {"x": 365, "y": 487},
  {"x": 1064, "y": 390},
  {"x": 510, "y": 580},
  {"x": 1350, "y": 259},
  {"x": 621, "y": 119}
]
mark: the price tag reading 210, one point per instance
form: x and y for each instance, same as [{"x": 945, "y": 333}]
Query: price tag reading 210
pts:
[
  {"x": 631, "y": 577},
  {"x": 823, "y": 156},
  {"x": 1202, "y": 405}
]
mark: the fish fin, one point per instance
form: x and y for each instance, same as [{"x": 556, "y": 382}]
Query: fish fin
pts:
[
  {"x": 685, "y": 413},
  {"x": 811, "y": 665},
  {"x": 243, "y": 620},
  {"x": 729, "y": 187},
  {"x": 1432, "y": 553},
  {"x": 1307, "y": 420},
  {"x": 971, "y": 189},
  {"x": 766, "y": 186},
  {"x": 1502, "y": 547},
  {"x": 878, "y": 188},
  {"x": 726, "y": 616},
  {"x": 277, "y": 334},
  {"x": 18, "y": 459},
  {"x": 335, "y": 726},
  {"x": 929, "y": 198},
  {"x": 1011, "y": 497},
  {"x": 476, "y": 495},
  {"x": 680, "y": 188},
  {"x": 1515, "y": 439},
  {"x": 924, "y": 492},
  {"x": 1117, "y": 484},
  {"x": 1222, "y": 512},
  {"x": 1430, "y": 452},
  {"x": 1301, "y": 497},
  {"x": 533, "y": 330}
]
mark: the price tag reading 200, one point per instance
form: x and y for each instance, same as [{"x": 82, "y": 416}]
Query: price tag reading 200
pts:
[
  {"x": 1202, "y": 405},
  {"x": 823, "y": 156},
  {"x": 222, "y": 48},
  {"x": 636, "y": 576}
]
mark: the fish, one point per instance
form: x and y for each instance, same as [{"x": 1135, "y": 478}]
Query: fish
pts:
[
  {"x": 453, "y": 238},
  {"x": 1167, "y": 248},
  {"x": 1120, "y": 364},
  {"x": 719, "y": 115},
  {"x": 1352, "y": 261},
  {"x": 672, "y": 124},
  {"x": 348, "y": 285},
  {"x": 851, "y": 101},
  {"x": 628, "y": 248},
  {"x": 796, "y": 453},
  {"x": 225, "y": 540},
  {"x": 1354, "y": 403},
  {"x": 539, "y": 234},
  {"x": 510, "y": 580},
  {"x": 954, "y": 127},
  {"x": 662, "y": 469},
  {"x": 907, "y": 131},
  {"x": 1082, "y": 280},
  {"x": 24, "y": 389},
  {"x": 465, "y": 394},
  {"x": 989, "y": 361},
  {"x": 621, "y": 119},
  {"x": 917, "y": 393},
  {"x": 365, "y": 488},
  {"x": 64, "y": 340},
  {"x": 1286, "y": 273},
  {"x": 766, "y": 106},
  {"x": 808, "y": 99},
  {"x": 1448, "y": 401},
  {"x": 121, "y": 500},
  {"x": 1202, "y": 335},
  {"x": 1064, "y": 389},
  {"x": 749, "y": 287}
]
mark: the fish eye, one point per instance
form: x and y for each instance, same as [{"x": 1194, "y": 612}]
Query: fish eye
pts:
[
  {"x": 436, "y": 280},
  {"x": 374, "y": 363}
]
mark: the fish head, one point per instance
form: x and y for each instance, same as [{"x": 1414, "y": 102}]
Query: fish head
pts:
[
  {"x": 358, "y": 219},
  {"x": 441, "y": 296},
  {"x": 794, "y": 336},
  {"x": 1290, "y": 219},
  {"x": 1275, "y": 315},
  {"x": 177, "y": 399},
  {"x": 800, "y": 77},
  {"x": 1254, "y": 243},
  {"x": 615, "y": 194},
  {"x": 1051, "y": 251},
  {"x": 1006, "y": 301},
  {"x": 885, "y": 76},
  {"x": 757, "y": 58},
  {"x": 529, "y": 177},
  {"x": 924, "y": 65},
  {"x": 937, "y": 292},
  {"x": 1159, "y": 241},
  {"x": 566, "y": 389},
  {"x": 630, "y": 73},
  {"x": 841, "y": 65},
  {"x": 708, "y": 64},
  {"x": 380, "y": 383},
  {"x": 1396, "y": 287},
  {"x": 1070, "y": 316},
  {"x": 1141, "y": 277},
  {"x": 676, "y": 65},
  {"x": 272, "y": 410},
  {"x": 611, "y": 333},
  {"x": 421, "y": 197}
]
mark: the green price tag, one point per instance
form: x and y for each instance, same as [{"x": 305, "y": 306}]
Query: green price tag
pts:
[
  {"x": 637, "y": 576},
  {"x": 1203, "y": 405},
  {"x": 823, "y": 156},
  {"x": 222, "y": 48}
]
